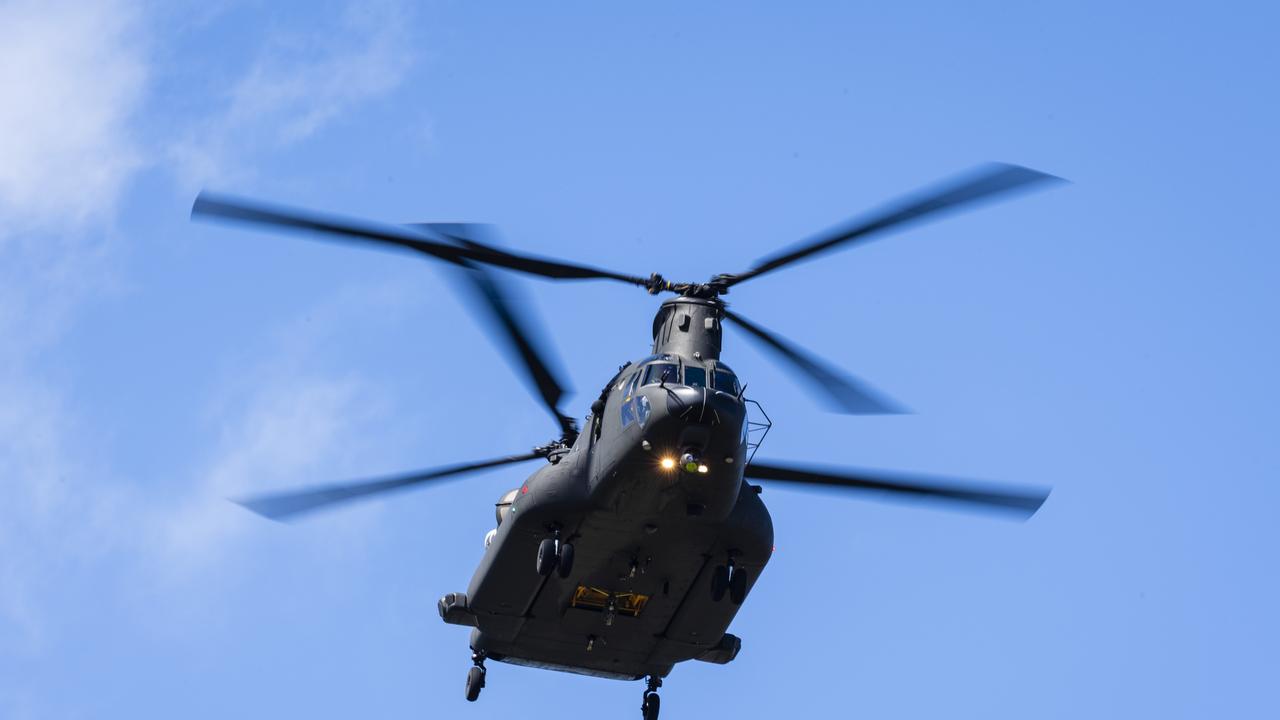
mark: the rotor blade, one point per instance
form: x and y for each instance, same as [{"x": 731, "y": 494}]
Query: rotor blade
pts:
[
  {"x": 519, "y": 331},
  {"x": 985, "y": 183},
  {"x": 843, "y": 393},
  {"x": 1023, "y": 502},
  {"x": 213, "y": 206},
  {"x": 279, "y": 506}
]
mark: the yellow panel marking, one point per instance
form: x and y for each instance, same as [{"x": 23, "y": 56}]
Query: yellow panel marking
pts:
[{"x": 625, "y": 603}]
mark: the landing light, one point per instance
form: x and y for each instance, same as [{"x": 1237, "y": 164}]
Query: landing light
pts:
[
  {"x": 667, "y": 463},
  {"x": 702, "y": 469}
]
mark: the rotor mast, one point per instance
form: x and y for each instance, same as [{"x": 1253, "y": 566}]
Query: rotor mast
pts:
[{"x": 689, "y": 326}]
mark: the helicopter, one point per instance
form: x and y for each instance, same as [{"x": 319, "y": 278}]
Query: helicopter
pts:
[{"x": 634, "y": 545}]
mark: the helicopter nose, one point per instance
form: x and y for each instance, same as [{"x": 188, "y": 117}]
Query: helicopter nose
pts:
[
  {"x": 703, "y": 405},
  {"x": 693, "y": 426}
]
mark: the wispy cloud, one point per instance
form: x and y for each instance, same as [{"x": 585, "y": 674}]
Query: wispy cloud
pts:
[
  {"x": 277, "y": 421},
  {"x": 73, "y": 75},
  {"x": 297, "y": 84},
  {"x": 74, "y": 81},
  {"x": 300, "y": 84},
  {"x": 72, "y": 78},
  {"x": 292, "y": 427}
]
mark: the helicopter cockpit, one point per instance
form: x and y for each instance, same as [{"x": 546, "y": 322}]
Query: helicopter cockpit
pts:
[{"x": 666, "y": 371}]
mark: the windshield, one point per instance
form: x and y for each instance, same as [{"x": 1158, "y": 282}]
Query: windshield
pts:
[
  {"x": 695, "y": 376},
  {"x": 726, "y": 381},
  {"x": 660, "y": 373}
]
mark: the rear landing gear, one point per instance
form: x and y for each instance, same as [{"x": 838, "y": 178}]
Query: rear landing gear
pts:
[
  {"x": 651, "y": 705},
  {"x": 719, "y": 583},
  {"x": 475, "y": 677},
  {"x": 652, "y": 702},
  {"x": 738, "y": 585},
  {"x": 730, "y": 579}
]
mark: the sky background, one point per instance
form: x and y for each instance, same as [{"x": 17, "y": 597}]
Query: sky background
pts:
[{"x": 1113, "y": 339}]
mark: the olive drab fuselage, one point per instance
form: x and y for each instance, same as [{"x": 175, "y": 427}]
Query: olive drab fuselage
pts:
[{"x": 649, "y": 536}]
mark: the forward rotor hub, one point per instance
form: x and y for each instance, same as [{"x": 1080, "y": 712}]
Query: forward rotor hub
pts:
[{"x": 717, "y": 286}]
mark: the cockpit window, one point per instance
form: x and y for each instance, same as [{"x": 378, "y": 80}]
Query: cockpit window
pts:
[
  {"x": 660, "y": 373},
  {"x": 695, "y": 376},
  {"x": 726, "y": 381}
]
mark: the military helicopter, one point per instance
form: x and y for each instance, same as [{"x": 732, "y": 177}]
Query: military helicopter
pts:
[{"x": 653, "y": 493}]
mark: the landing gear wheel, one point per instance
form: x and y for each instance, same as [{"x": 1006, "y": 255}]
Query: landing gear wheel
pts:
[
  {"x": 475, "y": 682},
  {"x": 738, "y": 585},
  {"x": 719, "y": 582},
  {"x": 547, "y": 557},
  {"x": 650, "y": 707},
  {"x": 565, "y": 562},
  {"x": 651, "y": 701}
]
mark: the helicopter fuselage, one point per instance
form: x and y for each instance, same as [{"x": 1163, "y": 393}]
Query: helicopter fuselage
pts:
[{"x": 651, "y": 498}]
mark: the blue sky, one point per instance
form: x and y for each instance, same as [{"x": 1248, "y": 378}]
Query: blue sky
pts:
[{"x": 1113, "y": 339}]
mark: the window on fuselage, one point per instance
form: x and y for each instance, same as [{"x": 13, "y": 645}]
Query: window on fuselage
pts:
[
  {"x": 661, "y": 373},
  {"x": 695, "y": 376}
]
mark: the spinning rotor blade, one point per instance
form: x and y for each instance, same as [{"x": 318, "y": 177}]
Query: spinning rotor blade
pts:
[
  {"x": 516, "y": 329},
  {"x": 1021, "y": 502},
  {"x": 986, "y": 183},
  {"x": 280, "y": 506},
  {"x": 843, "y": 393},
  {"x": 221, "y": 207}
]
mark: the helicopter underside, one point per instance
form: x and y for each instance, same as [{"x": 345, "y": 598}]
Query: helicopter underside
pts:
[{"x": 642, "y": 595}]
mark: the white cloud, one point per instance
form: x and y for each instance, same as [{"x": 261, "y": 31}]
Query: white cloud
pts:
[
  {"x": 73, "y": 75},
  {"x": 73, "y": 85}
]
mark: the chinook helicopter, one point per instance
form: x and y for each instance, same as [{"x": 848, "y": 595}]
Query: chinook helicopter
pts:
[{"x": 634, "y": 545}]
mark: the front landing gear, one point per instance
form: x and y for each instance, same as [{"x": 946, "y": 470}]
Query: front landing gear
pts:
[
  {"x": 651, "y": 700},
  {"x": 555, "y": 554},
  {"x": 475, "y": 677}
]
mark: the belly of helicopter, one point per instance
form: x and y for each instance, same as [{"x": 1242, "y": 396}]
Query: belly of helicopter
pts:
[{"x": 641, "y": 595}]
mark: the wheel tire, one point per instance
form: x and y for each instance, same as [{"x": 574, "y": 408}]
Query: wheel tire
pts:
[
  {"x": 565, "y": 563},
  {"x": 719, "y": 582},
  {"x": 738, "y": 586},
  {"x": 650, "y": 707},
  {"x": 475, "y": 682},
  {"x": 547, "y": 557}
]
